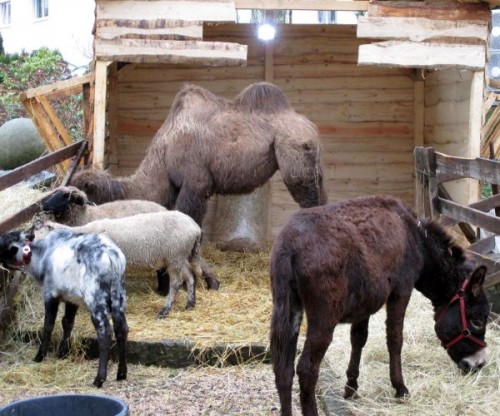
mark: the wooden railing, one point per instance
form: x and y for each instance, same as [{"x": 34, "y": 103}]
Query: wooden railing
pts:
[
  {"x": 75, "y": 151},
  {"x": 37, "y": 102},
  {"x": 432, "y": 170}
]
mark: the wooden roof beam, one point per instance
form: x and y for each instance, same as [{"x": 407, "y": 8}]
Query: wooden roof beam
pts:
[
  {"x": 172, "y": 52},
  {"x": 423, "y": 55},
  {"x": 338, "y": 5}
]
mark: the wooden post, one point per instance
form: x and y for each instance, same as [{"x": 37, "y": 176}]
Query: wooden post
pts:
[
  {"x": 426, "y": 192},
  {"x": 418, "y": 110},
  {"x": 112, "y": 160},
  {"x": 100, "y": 101},
  {"x": 475, "y": 128}
]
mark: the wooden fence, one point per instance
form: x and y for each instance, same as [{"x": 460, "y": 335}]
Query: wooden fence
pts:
[{"x": 432, "y": 170}]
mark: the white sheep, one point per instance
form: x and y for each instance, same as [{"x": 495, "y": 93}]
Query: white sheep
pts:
[
  {"x": 70, "y": 205},
  {"x": 168, "y": 239}
]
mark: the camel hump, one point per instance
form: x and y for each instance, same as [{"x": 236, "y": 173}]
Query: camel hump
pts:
[
  {"x": 192, "y": 96},
  {"x": 262, "y": 97}
]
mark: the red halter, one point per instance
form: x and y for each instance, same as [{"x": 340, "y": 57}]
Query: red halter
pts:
[{"x": 460, "y": 296}]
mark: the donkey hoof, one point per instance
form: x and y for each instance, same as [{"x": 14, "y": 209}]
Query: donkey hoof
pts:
[
  {"x": 402, "y": 392},
  {"x": 39, "y": 358},
  {"x": 350, "y": 392},
  {"x": 98, "y": 382},
  {"x": 121, "y": 376}
]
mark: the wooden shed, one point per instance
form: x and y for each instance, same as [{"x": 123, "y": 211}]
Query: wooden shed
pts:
[{"x": 408, "y": 74}]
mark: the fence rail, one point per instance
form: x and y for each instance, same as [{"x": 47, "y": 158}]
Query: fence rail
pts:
[{"x": 432, "y": 170}]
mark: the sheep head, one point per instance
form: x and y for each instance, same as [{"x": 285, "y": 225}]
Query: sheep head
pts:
[{"x": 64, "y": 199}]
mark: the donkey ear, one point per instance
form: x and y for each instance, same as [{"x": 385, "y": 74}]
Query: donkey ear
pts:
[{"x": 477, "y": 280}]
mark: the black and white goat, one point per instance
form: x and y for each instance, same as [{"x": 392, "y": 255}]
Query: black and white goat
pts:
[{"x": 75, "y": 268}]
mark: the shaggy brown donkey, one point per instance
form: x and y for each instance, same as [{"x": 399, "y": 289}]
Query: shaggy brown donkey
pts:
[{"x": 341, "y": 263}]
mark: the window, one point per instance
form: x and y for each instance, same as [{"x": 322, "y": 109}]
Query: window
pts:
[
  {"x": 41, "y": 8},
  {"x": 5, "y": 13}
]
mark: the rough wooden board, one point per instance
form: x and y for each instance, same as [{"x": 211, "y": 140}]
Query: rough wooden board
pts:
[
  {"x": 69, "y": 86},
  {"x": 200, "y": 10},
  {"x": 422, "y": 55},
  {"x": 437, "y": 10},
  {"x": 157, "y": 28},
  {"x": 302, "y": 4},
  {"x": 171, "y": 51},
  {"x": 421, "y": 29}
]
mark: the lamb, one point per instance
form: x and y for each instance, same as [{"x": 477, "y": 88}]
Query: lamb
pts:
[
  {"x": 76, "y": 268},
  {"x": 70, "y": 206},
  {"x": 168, "y": 239}
]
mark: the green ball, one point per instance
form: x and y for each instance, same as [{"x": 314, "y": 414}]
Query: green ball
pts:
[{"x": 20, "y": 143}]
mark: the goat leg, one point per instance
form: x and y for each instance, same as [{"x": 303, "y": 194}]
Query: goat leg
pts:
[
  {"x": 120, "y": 328},
  {"x": 51, "y": 307},
  {"x": 68, "y": 322},
  {"x": 103, "y": 329}
]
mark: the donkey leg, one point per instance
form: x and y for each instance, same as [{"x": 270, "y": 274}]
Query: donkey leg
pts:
[
  {"x": 68, "y": 322},
  {"x": 51, "y": 307},
  {"x": 396, "y": 308},
  {"x": 359, "y": 335},
  {"x": 318, "y": 338},
  {"x": 103, "y": 330},
  {"x": 120, "y": 328}
]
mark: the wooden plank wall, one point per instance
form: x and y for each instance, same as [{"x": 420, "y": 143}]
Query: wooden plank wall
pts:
[{"x": 365, "y": 115}]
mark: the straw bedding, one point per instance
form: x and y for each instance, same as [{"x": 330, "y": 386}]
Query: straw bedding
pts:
[{"x": 239, "y": 314}]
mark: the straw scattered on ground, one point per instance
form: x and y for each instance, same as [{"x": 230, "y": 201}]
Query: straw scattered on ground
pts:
[{"x": 239, "y": 313}]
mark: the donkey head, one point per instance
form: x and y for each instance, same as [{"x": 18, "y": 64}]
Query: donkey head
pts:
[{"x": 461, "y": 324}]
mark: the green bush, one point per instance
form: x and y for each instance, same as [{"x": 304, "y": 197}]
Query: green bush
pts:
[{"x": 20, "y": 72}]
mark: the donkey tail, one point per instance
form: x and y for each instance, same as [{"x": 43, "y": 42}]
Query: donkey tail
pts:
[{"x": 285, "y": 322}]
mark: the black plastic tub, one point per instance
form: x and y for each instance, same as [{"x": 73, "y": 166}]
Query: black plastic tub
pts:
[{"x": 67, "y": 405}]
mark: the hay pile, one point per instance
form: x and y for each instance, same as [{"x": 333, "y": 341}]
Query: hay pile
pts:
[{"x": 239, "y": 313}]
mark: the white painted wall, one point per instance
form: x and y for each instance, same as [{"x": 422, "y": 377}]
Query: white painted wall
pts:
[{"x": 68, "y": 28}]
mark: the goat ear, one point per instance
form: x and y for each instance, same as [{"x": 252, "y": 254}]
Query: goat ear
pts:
[
  {"x": 38, "y": 225},
  {"x": 30, "y": 233},
  {"x": 476, "y": 280}
]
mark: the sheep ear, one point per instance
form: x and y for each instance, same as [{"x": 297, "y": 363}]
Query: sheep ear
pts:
[{"x": 79, "y": 199}]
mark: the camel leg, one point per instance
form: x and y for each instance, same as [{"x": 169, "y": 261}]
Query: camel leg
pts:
[
  {"x": 194, "y": 203},
  {"x": 396, "y": 308},
  {"x": 359, "y": 335}
]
